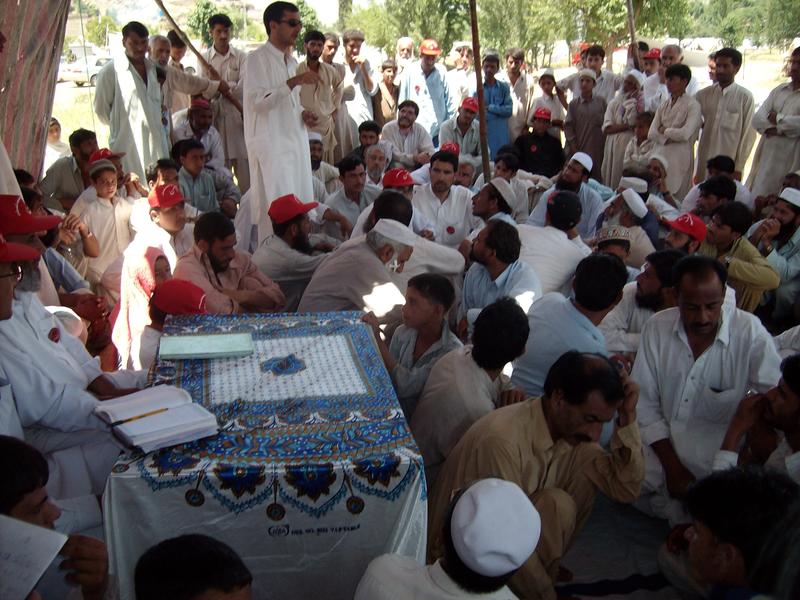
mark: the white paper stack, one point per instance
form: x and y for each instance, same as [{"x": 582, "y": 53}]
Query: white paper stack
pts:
[{"x": 157, "y": 417}]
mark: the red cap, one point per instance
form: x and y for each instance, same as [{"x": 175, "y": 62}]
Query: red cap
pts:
[
  {"x": 430, "y": 47},
  {"x": 542, "y": 113},
  {"x": 450, "y": 147},
  {"x": 16, "y": 217},
  {"x": 104, "y": 153},
  {"x": 395, "y": 178},
  {"x": 16, "y": 252},
  {"x": 470, "y": 103},
  {"x": 179, "y": 297},
  {"x": 691, "y": 225},
  {"x": 288, "y": 207},
  {"x": 200, "y": 103},
  {"x": 164, "y": 196},
  {"x": 653, "y": 53}
]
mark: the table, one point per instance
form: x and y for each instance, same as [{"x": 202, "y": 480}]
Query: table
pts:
[{"x": 315, "y": 471}]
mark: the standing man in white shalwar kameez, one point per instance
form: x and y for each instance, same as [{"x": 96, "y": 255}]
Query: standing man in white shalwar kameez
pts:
[
  {"x": 229, "y": 64},
  {"x": 674, "y": 130},
  {"x": 727, "y": 110},
  {"x": 128, "y": 100},
  {"x": 274, "y": 120},
  {"x": 778, "y": 122}
]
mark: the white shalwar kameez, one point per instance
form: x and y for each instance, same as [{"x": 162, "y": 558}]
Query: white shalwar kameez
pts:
[
  {"x": 681, "y": 121},
  {"x": 277, "y": 139},
  {"x": 131, "y": 107}
]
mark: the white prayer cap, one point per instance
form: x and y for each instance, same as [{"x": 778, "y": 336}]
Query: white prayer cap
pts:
[
  {"x": 395, "y": 231},
  {"x": 660, "y": 158},
  {"x": 638, "y": 76},
  {"x": 494, "y": 527},
  {"x": 588, "y": 73},
  {"x": 504, "y": 189},
  {"x": 791, "y": 195},
  {"x": 547, "y": 73},
  {"x": 635, "y": 203},
  {"x": 634, "y": 183},
  {"x": 313, "y": 136},
  {"x": 584, "y": 159}
]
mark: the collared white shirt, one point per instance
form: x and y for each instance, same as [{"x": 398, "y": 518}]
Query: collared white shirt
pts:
[
  {"x": 406, "y": 145},
  {"x": 655, "y": 92},
  {"x": 210, "y": 139},
  {"x": 692, "y": 401},
  {"x": 339, "y": 202},
  {"x": 552, "y": 255},
  {"x": 522, "y": 93},
  {"x": 290, "y": 269},
  {"x": 518, "y": 281},
  {"x": 109, "y": 221},
  {"x": 743, "y": 195},
  {"x": 396, "y": 577},
  {"x": 623, "y": 325},
  {"x": 605, "y": 86},
  {"x": 591, "y": 203},
  {"x": 450, "y": 221},
  {"x": 468, "y": 143}
]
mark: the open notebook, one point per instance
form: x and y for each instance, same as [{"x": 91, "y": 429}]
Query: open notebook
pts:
[{"x": 157, "y": 417}]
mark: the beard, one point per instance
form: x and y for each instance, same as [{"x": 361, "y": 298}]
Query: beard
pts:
[
  {"x": 375, "y": 174},
  {"x": 786, "y": 231},
  {"x": 648, "y": 301},
  {"x": 561, "y": 184},
  {"x": 31, "y": 278},
  {"x": 301, "y": 243},
  {"x": 315, "y": 164}
]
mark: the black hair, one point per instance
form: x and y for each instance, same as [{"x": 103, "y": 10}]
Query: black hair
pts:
[
  {"x": 604, "y": 245},
  {"x": 369, "y": 126},
  {"x": 410, "y": 103},
  {"x": 500, "y": 334},
  {"x": 679, "y": 70},
  {"x": 449, "y": 157},
  {"x": 722, "y": 163},
  {"x": 24, "y": 470},
  {"x": 698, "y": 267},
  {"x": 643, "y": 46},
  {"x": 515, "y": 53},
  {"x": 577, "y": 374},
  {"x": 221, "y": 19},
  {"x": 796, "y": 51},
  {"x": 349, "y": 163},
  {"x": 775, "y": 572},
  {"x": 30, "y": 196},
  {"x": 511, "y": 161},
  {"x": 434, "y": 288},
  {"x": 391, "y": 204},
  {"x": 314, "y": 36},
  {"x": 491, "y": 55},
  {"x": 596, "y": 50},
  {"x": 274, "y": 12},
  {"x": 503, "y": 238},
  {"x": 189, "y": 144},
  {"x": 790, "y": 369},
  {"x": 330, "y": 36},
  {"x": 136, "y": 28},
  {"x": 735, "y": 215},
  {"x": 663, "y": 262},
  {"x": 162, "y": 164},
  {"x": 645, "y": 117},
  {"x": 352, "y": 34},
  {"x": 741, "y": 506},
  {"x": 467, "y": 579},
  {"x": 599, "y": 279},
  {"x": 213, "y": 226},
  {"x": 280, "y": 228},
  {"x": 23, "y": 177},
  {"x": 508, "y": 149},
  {"x": 732, "y": 53},
  {"x": 185, "y": 567},
  {"x": 79, "y": 136},
  {"x": 495, "y": 195},
  {"x": 721, "y": 186},
  {"x": 389, "y": 63},
  {"x": 175, "y": 40}
]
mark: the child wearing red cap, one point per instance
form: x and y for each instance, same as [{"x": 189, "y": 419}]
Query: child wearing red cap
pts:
[{"x": 540, "y": 153}]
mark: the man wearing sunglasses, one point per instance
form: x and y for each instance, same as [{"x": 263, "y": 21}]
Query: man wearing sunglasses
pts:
[{"x": 274, "y": 119}]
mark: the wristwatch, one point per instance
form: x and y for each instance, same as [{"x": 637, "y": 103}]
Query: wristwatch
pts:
[{"x": 727, "y": 261}]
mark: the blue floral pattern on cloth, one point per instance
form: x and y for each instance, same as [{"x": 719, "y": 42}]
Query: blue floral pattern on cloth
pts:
[
  {"x": 310, "y": 452},
  {"x": 283, "y": 365}
]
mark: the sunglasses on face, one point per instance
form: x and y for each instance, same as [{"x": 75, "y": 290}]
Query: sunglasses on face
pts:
[
  {"x": 16, "y": 273},
  {"x": 291, "y": 22}
]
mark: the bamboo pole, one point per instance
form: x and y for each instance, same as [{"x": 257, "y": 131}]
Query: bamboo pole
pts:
[
  {"x": 476, "y": 54},
  {"x": 214, "y": 75},
  {"x": 637, "y": 64}
]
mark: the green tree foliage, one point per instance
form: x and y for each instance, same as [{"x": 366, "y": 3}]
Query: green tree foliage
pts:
[
  {"x": 783, "y": 22},
  {"x": 98, "y": 28},
  {"x": 446, "y": 21},
  {"x": 374, "y": 21},
  {"x": 733, "y": 20},
  {"x": 197, "y": 21},
  {"x": 532, "y": 25},
  {"x": 310, "y": 21}
]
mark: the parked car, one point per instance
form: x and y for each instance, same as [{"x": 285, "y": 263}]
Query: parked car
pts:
[{"x": 82, "y": 71}]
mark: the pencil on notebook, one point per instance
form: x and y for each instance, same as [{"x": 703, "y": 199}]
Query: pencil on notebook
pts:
[{"x": 136, "y": 418}]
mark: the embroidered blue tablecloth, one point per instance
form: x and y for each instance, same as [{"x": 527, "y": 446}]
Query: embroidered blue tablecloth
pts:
[{"x": 314, "y": 455}]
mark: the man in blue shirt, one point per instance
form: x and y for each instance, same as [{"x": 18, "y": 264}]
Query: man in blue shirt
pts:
[
  {"x": 560, "y": 324},
  {"x": 425, "y": 83},
  {"x": 497, "y": 96},
  {"x": 497, "y": 272}
]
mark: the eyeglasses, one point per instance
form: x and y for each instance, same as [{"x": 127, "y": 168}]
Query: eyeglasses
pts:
[
  {"x": 16, "y": 272},
  {"x": 291, "y": 22}
]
